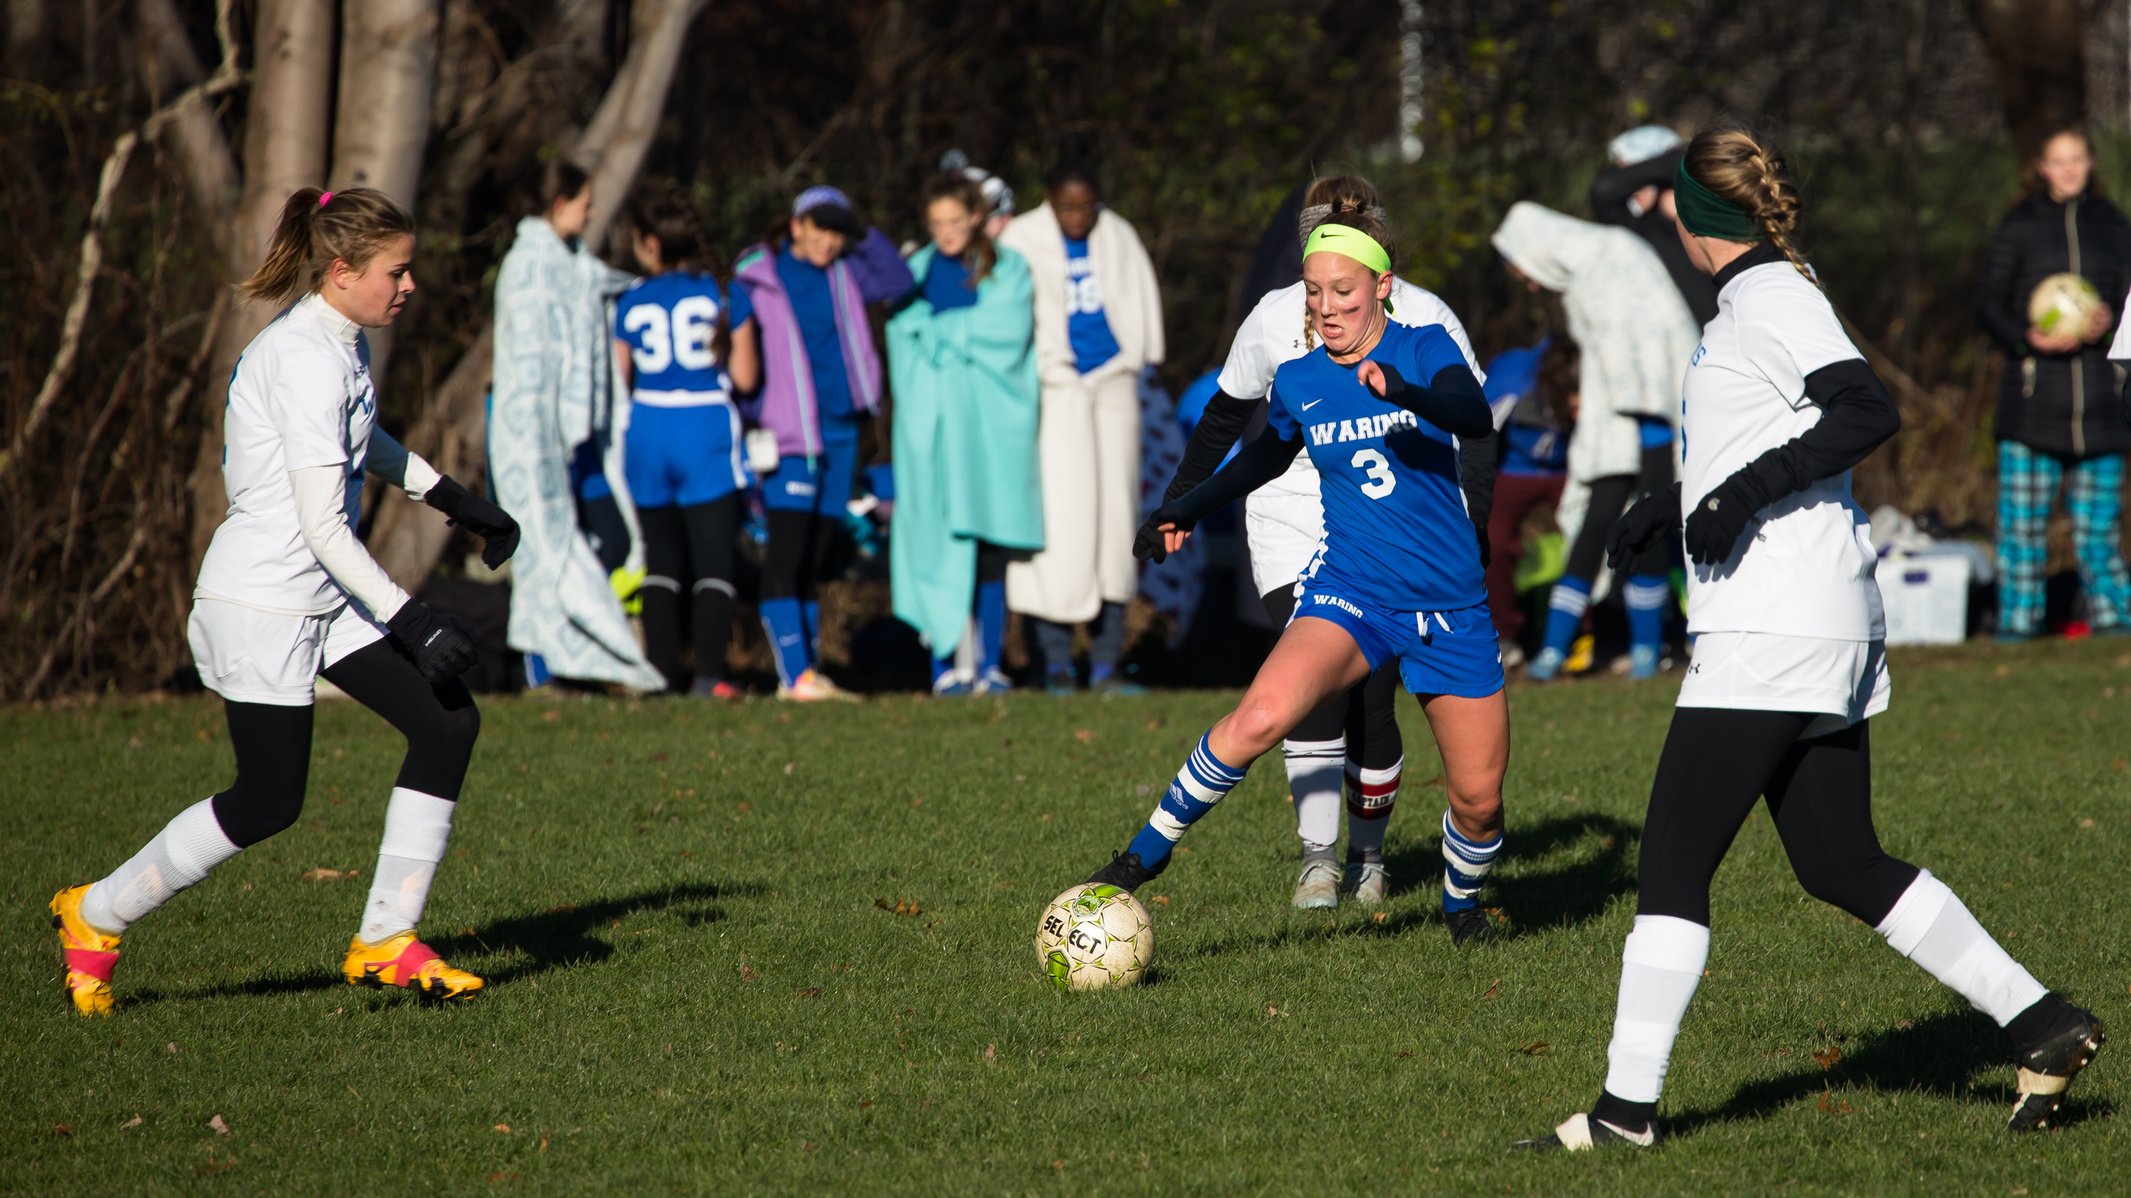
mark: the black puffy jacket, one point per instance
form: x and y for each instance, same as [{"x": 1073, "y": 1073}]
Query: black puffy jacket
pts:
[{"x": 2065, "y": 404}]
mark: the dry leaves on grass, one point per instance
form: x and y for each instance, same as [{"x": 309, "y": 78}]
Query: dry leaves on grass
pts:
[
  {"x": 1827, "y": 1058},
  {"x": 133, "y": 1122},
  {"x": 218, "y": 1126},
  {"x": 901, "y": 906},
  {"x": 1273, "y": 1012},
  {"x": 1535, "y": 1048},
  {"x": 1160, "y": 900},
  {"x": 1084, "y": 736},
  {"x": 1830, "y": 1105},
  {"x": 322, "y": 874},
  {"x": 747, "y": 973}
]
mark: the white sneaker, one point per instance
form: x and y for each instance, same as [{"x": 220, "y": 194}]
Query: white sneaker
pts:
[
  {"x": 1318, "y": 886},
  {"x": 1367, "y": 882}
]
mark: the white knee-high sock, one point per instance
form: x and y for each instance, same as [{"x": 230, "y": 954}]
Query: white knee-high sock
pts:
[
  {"x": 1659, "y": 969},
  {"x": 181, "y": 854},
  {"x": 1371, "y": 794},
  {"x": 417, "y": 826},
  {"x": 1930, "y": 926},
  {"x": 1313, "y": 774}
]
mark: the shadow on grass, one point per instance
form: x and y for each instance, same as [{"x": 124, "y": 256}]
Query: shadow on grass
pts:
[
  {"x": 1938, "y": 1056},
  {"x": 1536, "y": 900},
  {"x": 564, "y": 934}
]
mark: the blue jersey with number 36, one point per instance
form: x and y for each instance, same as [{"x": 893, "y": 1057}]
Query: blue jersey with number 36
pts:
[
  {"x": 1395, "y": 528},
  {"x": 670, "y": 323}
]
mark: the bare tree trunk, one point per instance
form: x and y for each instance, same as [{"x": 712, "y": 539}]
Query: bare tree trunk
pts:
[
  {"x": 388, "y": 54},
  {"x": 194, "y": 136},
  {"x": 2038, "y": 53},
  {"x": 284, "y": 149},
  {"x": 452, "y": 434}
]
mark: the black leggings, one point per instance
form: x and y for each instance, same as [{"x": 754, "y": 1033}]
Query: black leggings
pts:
[
  {"x": 801, "y": 546},
  {"x": 1367, "y": 714},
  {"x": 691, "y": 549},
  {"x": 1716, "y": 763},
  {"x": 1610, "y": 499},
  {"x": 273, "y": 744}
]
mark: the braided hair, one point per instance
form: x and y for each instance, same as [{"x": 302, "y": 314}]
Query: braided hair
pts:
[
  {"x": 1747, "y": 169},
  {"x": 1342, "y": 200}
]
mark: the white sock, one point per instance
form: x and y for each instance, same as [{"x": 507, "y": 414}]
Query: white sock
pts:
[
  {"x": 1313, "y": 772},
  {"x": 1371, "y": 794},
  {"x": 181, "y": 854},
  {"x": 1930, "y": 926},
  {"x": 1659, "y": 969},
  {"x": 416, "y": 829}
]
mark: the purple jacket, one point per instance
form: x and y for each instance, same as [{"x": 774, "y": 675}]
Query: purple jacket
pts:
[{"x": 870, "y": 272}]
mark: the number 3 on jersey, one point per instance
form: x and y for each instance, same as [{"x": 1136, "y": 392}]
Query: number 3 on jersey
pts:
[
  {"x": 686, "y": 337},
  {"x": 1373, "y": 463}
]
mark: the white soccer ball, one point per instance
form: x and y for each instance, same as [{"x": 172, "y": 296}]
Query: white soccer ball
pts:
[
  {"x": 1094, "y": 936},
  {"x": 2063, "y": 302}
]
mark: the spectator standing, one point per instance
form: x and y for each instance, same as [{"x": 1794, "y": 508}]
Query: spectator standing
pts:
[
  {"x": 1098, "y": 325},
  {"x": 821, "y": 379},
  {"x": 962, "y": 358},
  {"x": 1636, "y": 194},
  {"x": 1636, "y": 335},
  {"x": 552, "y": 370},
  {"x": 2060, "y": 421}
]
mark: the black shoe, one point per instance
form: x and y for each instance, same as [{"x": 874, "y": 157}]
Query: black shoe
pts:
[
  {"x": 1125, "y": 872},
  {"x": 1469, "y": 926},
  {"x": 1582, "y": 1133},
  {"x": 2047, "y": 1067}
]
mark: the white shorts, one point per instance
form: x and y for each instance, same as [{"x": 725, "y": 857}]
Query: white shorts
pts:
[
  {"x": 253, "y": 656},
  {"x": 1283, "y": 523},
  {"x": 1843, "y": 681}
]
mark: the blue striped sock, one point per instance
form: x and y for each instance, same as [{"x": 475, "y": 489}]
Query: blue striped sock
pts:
[
  {"x": 1204, "y": 781},
  {"x": 1466, "y": 864},
  {"x": 1646, "y": 596},
  {"x": 1564, "y": 612}
]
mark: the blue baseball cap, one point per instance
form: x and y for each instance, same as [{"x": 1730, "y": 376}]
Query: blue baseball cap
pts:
[{"x": 830, "y": 208}]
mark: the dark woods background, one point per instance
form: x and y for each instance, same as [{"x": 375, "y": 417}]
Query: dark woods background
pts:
[{"x": 1900, "y": 115}]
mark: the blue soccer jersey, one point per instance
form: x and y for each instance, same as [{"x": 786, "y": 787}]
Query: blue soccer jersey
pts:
[
  {"x": 670, "y": 323},
  {"x": 1396, "y": 529}
]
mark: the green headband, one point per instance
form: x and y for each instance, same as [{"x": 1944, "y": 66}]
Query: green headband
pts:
[
  {"x": 1348, "y": 242},
  {"x": 1707, "y": 214}
]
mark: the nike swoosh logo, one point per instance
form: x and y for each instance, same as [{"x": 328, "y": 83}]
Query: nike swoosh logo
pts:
[{"x": 1313, "y": 403}]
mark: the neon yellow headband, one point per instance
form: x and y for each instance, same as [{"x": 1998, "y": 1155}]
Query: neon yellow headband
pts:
[{"x": 1348, "y": 242}]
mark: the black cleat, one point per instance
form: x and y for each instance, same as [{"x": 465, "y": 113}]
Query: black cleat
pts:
[
  {"x": 2047, "y": 1067},
  {"x": 1581, "y": 1133},
  {"x": 1470, "y": 926},
  {"x": 1125, "y": 872}
]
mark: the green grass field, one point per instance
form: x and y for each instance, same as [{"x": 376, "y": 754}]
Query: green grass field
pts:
[{"x": 699, "y": 981}]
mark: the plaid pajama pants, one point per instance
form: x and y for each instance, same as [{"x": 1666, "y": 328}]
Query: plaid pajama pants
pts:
[{"x": 2027, "y": 485}]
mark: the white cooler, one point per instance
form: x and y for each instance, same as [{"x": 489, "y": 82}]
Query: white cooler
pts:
[{"x": 1926, "y": 599}]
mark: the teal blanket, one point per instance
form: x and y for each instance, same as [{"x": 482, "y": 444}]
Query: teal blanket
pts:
[{"x": 964, "y": 444}]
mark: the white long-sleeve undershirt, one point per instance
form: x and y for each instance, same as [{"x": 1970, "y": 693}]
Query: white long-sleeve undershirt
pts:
[{"x": 321, "y": 505}]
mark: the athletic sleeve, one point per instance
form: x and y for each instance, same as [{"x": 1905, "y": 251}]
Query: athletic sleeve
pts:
[
  {"x": 1280, "y": 420},
  {"x": 1220, "y": 426},
  {"x": 398, "y": 465},
  {"x": 739, "y": 308},
  {"x": 321, "y": 514},
  {"x": 1788, "y": 334},
  {"x": 1248, "y": 372},
  {"x": 310, "y": 390}
]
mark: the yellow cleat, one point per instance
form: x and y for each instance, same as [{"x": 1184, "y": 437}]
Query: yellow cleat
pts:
[
  {"x": 407, "y": 962},
  {"x": 90, "y": 954}
]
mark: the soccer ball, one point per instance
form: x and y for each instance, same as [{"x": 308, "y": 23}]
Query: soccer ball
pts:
[
  {"x": 1094, "y": 936},
  {"x": 2063, "y": 302}
]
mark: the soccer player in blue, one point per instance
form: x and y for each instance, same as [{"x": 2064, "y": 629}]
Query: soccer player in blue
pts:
[
  {"x": 673, "y": 339},
  {"x": 1380, "y": 407}
]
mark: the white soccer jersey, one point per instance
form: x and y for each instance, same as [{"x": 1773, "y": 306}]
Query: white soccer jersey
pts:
[
  {"x": 1284, "y": 519},
  {"x": 1805, "y": 568},
  {"x": 301, "y": 396}
]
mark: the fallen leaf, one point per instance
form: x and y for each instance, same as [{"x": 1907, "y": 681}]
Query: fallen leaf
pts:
[
  {"x": 1493, "y": 988},
  {"x": 1535, "y": 1048},
  {"x": 1161, "y": 900},
  {"x": 1084, "y": 736},
  {"x": 502, "y": 1175},
  {"x": 62, "y": 1130},
  {"x": 220, "y": 1128},
  {"x": 551, "y": 716},
  {"x": 1827, "y": 1057},
  {"x": 1379, "y": 917},
  {"x": 2086, "y": 822},
  {"x": 502, "y": 1129},
  {"x": 1057, "y": 1164},
  {"x": 991, "y": 1053},
  {"x": 322, "y": 874},
  {"x": 171, "y": 1047},
  {"x": 133, "y": 1122},
  {"x": 543, "y": 1145},
  {"x": 1905, "y": 1023},
  {"x": 747, "y": 973},
  {"x": 1273, "y": 1012},
  {"x": 789, "y": 766},
  {"x": 1403, "y": 1054},
  {"x": 810, "y": 992},
  {"x": 865, "y": 1104}
]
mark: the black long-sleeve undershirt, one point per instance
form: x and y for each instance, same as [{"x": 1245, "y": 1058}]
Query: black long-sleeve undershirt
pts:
[
  {"x": 1857, "y": 417},
  {"x": 1220, "y": 426}
]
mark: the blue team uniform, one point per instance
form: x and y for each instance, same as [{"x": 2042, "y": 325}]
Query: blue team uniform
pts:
[
  {"x": 683, "y": 446},
  {"x": 821, "y": 483},
  {"x": 1399, "y": 567},
  {"x": 1087, "y": 326}
]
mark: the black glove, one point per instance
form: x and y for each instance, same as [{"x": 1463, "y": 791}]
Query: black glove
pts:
[
  {"x": 1150, "y": 544},
  {"x": 1654, "y": 515},
  {"x": 498, "y": 532},
  {"x": 439, "y": 644},
  {"x": 1716, "y": 523},
  {"x": 1487, "y": 549}
]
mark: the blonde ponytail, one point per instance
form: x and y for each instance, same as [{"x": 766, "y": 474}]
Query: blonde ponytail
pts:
[
  {"x": 1747, "y": 170},
  {"x": 315, "y": 229}
]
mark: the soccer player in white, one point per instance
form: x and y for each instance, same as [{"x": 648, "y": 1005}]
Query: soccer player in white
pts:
[
  {"x": 1354, "y": 735},
  {"x": 1788, "y": 662},
  {"x": 287, "y": 594}
]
